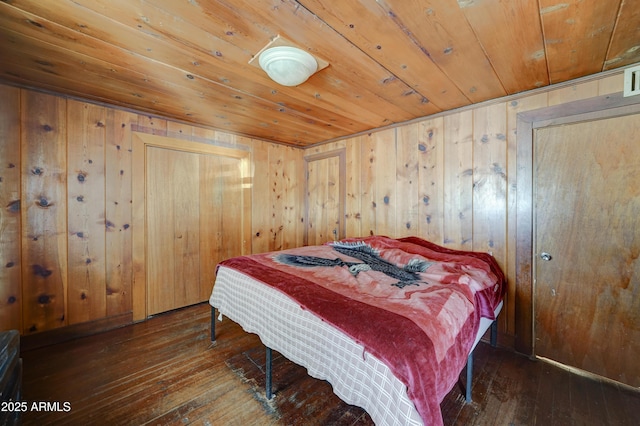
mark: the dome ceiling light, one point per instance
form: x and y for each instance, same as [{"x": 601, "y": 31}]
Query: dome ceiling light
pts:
[{"x": 287, "y": 64}]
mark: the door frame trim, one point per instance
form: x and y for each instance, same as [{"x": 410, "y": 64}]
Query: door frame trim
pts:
[
  {"x": 139, "y": 144},
  {"x": 341, "y": 153},
  {"x": 601, "y": 107}
]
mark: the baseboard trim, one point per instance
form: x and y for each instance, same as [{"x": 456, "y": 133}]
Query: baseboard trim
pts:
[{"x": 65, "y": 334}]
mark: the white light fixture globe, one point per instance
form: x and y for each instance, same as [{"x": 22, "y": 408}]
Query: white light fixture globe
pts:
[{"x": 288, "y": 65}]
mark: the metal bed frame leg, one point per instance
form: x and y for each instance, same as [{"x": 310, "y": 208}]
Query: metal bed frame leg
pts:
[
  {"x": 467, "y": 395},
  {"x": 493, "y": 340},
  {"x": 268, "y": 373},
  {"x": 213, "y": 325},
  {"x": 268, "y": 354}
]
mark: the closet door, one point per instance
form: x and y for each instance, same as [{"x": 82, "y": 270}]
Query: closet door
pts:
[
  {"x": 173, "y": 229},
  {"x": 587, "y": 246},
  {"x": 193, "y": 210}
]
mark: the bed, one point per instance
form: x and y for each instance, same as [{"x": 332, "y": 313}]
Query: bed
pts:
[{"x": 390, "y": 323}]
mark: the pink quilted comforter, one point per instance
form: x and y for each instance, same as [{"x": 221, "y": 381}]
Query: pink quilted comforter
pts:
[{"x": 415, "y": 305}]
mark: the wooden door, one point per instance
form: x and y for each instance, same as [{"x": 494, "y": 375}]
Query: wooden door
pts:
[
  {"x": 587, "y": 246},
  {"x": 325, "y": 197},
  {"x": 173, "y": 229},
  {"x": 192, "y": 210}
]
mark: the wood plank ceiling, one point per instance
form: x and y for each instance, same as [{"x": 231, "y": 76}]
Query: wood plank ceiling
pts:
[{"x": 390, "y": 60}]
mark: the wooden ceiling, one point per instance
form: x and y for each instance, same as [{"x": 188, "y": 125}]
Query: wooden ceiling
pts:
[{"x": 390, "y": 60}]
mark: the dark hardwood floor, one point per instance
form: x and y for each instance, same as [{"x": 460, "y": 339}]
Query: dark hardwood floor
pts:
[{"x": 164, "y": 372}]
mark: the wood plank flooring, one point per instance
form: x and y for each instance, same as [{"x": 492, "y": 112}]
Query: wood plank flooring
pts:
[{"x": 165, "y": 372}]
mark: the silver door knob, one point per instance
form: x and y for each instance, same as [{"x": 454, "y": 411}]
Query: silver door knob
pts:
[{"x": 545, "y": 256}]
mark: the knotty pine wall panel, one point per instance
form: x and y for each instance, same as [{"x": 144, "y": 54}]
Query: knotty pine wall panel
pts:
[
  {"x": 430, "y": 171},
  {"x": 490, "y": 180},
  {"x": 457, "y": 181},
  {"x": 354, "y": 194},
  {"x": 407, "y": 181},
  {"x": 385, "y": 200},
  {"x": 66, "y": 220},
  {"x": 118, "y": 211},
  {"x": 43, "y": 205},
  {"x": 278, "y": 191},
  {"x": 367, "y": 185},
  {"x": 450, "y": 178},
  {"x": 87, "y": 224},
  {"x": 10, "y": 266}
]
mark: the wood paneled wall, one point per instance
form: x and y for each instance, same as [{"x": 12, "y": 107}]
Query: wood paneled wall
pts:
[
  {"x": 65, "y": 192},
  {"x": 66, "y": 218},
  {"x": 450, "y": 179}
]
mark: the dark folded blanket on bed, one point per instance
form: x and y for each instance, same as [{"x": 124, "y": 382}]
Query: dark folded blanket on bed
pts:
[{"x": 412, "y": 304}]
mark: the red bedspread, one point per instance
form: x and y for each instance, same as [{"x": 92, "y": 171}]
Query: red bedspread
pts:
[{"x": 415, "y": 305}]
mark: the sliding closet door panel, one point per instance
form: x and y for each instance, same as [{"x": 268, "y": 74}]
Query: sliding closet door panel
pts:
[
  {"x": 221, "y": 215},
  {"x": 173, "y": 228}
]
